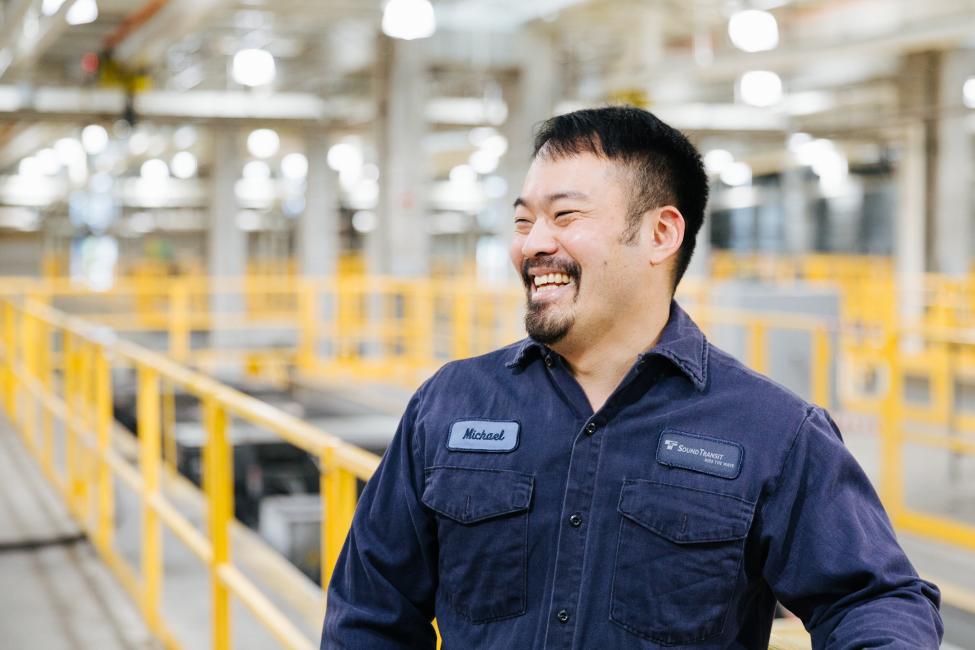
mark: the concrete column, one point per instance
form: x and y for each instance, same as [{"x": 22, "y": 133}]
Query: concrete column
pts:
[
  {"x": 400, "y": 244},
  {"x": 917, "y": 93},
  {"x": 797, "y": 226},
  {"x": 953, "y": 181},
  {"x": 909, "y": 229},
  {"x": 226, "y": 243},
  {"x": 318, "y": 228}
]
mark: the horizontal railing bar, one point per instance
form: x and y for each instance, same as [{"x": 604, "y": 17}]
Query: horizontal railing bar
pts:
[{"x": 263, "y": 609}]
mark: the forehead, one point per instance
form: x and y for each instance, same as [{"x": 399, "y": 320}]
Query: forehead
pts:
[{"x": 586, "y": 173}]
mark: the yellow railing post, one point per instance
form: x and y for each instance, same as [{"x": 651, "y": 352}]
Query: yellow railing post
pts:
[
  {"x": 218, "y": 483},
  {"x": 308, "y": 332},
  {"x": 10, "y": 343},
  {"x": 168, "y": 395},
  {"x": 70, "y": 425},
  {"x": 44, "y": 373},
  {"x": 820, "y": 380},
  {"x": 28, "y": 341},
  {"x": 179, "y": 321},
  {"x": 104, "y": 419},
  {"x": 338, "y": 493},
  {"x": 147, "y": 413},
  {"x": 84, "y": 410},
  {"x": 891, "y": 471},
  {"x": 757, "y": 346}
]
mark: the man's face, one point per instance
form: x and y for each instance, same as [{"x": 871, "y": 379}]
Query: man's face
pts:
[{"x": 568, "y": 245}]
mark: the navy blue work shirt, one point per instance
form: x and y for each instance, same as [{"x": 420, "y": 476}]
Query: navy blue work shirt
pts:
[{"x": 675, "y": 515}]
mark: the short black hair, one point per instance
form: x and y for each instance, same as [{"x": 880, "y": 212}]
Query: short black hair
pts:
[{"x": 667, "y": 168}]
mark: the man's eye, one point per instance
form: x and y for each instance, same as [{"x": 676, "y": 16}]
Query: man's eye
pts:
[{"x": 563, "y": 213}]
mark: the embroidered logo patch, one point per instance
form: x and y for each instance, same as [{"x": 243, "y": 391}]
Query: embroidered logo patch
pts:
[
  {"x": 699, "y": 453},
  {"x": 483, "y": 435}
]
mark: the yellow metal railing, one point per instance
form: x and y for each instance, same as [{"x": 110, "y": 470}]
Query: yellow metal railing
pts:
[{"x": 57, "y": 370}]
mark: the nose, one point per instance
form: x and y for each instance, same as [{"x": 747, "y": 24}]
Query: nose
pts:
[{"x": 539, "y": 240}]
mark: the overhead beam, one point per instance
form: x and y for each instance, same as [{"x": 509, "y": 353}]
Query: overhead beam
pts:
[
  {"x": 148, "y": 43},
  {"x": 53, "y": 103},
  {"x": 21, "y": 47},
  {"x": 498, "y": 15}
]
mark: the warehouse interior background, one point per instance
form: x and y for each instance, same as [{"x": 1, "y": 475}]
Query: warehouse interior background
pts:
[{"x": 236, "y": 234}]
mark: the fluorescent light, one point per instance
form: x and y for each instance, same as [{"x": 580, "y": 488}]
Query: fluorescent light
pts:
[
  {"x": 737, "y": 173},
  {"x": 968, "y": 92},
  {"x": 483, "y": 161},
  {"x": 82, "y": 12},
  {"x": 716, "y": 160},
  {"x": 760, "y": 88},
  {"x": 294, "y": 166},
  {"x": 154, "y": 169},
  {"x": 344, "y": 157},
  {"x": 253, "y": 67},
  {"x": 263, "y": 143},
  {"x": 463, "y": 174},
  {"x": 184, "y": 164},
  {"x": 753, "y": 30},
  {"x": 94, "y": 138},
  {"x": 256, "y": 169},
  {"x": 50, "y": 7},
  {"x": 48, "y": 162},
  {"x": 409, "y": 19}
]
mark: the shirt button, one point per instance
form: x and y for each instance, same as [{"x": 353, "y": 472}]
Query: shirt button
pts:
[
  {"x": 549, "y": 361},
  {"x": 590, "y": 428},
  {"x": 575, "y": 520},
  {"x": 563, "y": 616}
]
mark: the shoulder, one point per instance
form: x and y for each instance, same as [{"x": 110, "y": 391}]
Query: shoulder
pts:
[{"x": 757, "y": 395}]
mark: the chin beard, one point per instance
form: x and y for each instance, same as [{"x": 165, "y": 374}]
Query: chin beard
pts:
[{"x": 543, "y": 328}]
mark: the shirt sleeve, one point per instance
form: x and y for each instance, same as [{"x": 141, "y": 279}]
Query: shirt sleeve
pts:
[
  {"x": 381, "y": 595},
  {"x": 831, "y": 554}
]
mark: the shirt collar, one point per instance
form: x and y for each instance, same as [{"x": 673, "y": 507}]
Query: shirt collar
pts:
[{"x": 681, "y": 342}]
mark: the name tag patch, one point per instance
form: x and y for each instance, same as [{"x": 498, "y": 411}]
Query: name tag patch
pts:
[
  {"x": 483, "y": 435},
  {"x": 699, "y": 453}
]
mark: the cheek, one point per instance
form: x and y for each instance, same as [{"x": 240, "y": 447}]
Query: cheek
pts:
[{"x": 514, "y": 253}]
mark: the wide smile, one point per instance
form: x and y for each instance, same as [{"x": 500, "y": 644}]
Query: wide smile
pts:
[{"x": 551, "y": 286}]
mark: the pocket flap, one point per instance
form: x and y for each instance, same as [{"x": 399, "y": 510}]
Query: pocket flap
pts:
[
  {"x": 470, "y": 495},
  {"x": 684, "y": 515}
]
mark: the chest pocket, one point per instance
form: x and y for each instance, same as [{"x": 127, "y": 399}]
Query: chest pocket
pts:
[
  {"x": 483, "y": 534},
  {"x": 677, "y": 560}
]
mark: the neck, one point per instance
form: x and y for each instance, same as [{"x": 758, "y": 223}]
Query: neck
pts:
[{"x": 599, "y": 361}]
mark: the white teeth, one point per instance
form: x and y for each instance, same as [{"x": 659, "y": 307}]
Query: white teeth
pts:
[{"x": 551, "y": 278}]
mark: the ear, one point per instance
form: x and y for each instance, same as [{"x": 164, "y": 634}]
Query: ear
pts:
[{"x": 667, "y": 234}]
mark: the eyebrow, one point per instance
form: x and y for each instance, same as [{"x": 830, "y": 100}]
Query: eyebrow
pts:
[{"x": 552, "y": 198}]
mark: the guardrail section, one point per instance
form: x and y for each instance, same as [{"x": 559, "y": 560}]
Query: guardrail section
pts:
[{"x": 57, "y": 389}]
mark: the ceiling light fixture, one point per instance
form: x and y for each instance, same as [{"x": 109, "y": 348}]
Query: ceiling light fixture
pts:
[
  {"x": 968, "y": 92},
  {"x": 94, "y": 138},
  {"x": 760, "y": 88},
  {"x": 263, "y": 143},
  {"x": 253, "y": 67},
  {"x": 184, "y": 165},
  {"x": 409, "y": 19},
  {"x": 753, "y": 30},
  {"x": 82, "y": 12}
]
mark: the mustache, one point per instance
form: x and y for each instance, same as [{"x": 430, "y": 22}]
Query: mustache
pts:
[{"x": 568, "y": 267}]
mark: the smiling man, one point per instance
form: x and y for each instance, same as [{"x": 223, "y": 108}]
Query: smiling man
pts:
[{"x": 614, "y": 480}]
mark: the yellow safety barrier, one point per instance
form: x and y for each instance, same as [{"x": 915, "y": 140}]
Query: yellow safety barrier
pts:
[{"x": 58, "y": 369}]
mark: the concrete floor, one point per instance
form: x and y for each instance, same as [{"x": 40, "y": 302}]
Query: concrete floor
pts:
[{"x": 56, "y": 593}]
